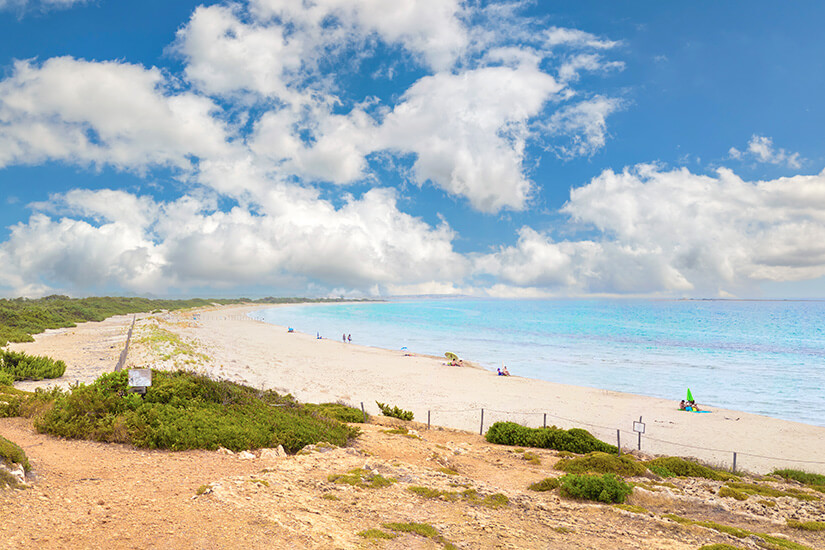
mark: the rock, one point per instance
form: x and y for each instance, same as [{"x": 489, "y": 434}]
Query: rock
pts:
[
  {"x": 224, "y": 451},
  {"x": 273, "y": 453},
  {"x": 246, "y": 455}
]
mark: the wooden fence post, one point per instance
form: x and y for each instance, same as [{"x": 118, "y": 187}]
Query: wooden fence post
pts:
[
  {"x": 619, "y": 441},
  {"x": 364, "y": 411},
  {"x": 481, "y": 429}
]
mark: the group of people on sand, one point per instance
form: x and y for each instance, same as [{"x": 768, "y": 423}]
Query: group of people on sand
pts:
[
  {"x": 503, "y": 372},
  {"x": 346, "y": 338},
  {"x": 688, "y": 406}
]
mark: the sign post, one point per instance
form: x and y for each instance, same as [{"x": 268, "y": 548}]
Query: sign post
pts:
[
  {"x": 639, "y": 428},
  {"x": 139, "y": 380}
]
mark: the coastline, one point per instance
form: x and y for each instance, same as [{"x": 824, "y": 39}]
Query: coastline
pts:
[{"x": 265, "y": 355}]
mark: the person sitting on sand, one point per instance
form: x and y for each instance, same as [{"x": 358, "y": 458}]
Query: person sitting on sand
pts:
[
  {"x": 499, "y": 372},
  {"x": 682, "y": 405},
  {"x": 505, "y": 372}
]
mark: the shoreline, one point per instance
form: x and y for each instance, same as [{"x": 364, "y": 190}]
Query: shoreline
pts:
[{"x": 261, "y": 354}]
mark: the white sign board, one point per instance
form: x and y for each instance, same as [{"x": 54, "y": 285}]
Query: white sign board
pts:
[
  {"x": 639, "y": 427},
  {"x": 140, "y": 378}
]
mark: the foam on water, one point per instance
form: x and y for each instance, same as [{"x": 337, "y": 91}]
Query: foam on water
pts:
[{"x": 760, "y": 357}]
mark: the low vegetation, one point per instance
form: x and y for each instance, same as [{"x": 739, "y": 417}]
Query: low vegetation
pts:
[
  {"x": 337, "y": 411},
  {"x": 575, "y": 440},
  {"x": 814, "y": 481},
  {"x": 672, "y": 466},
  {"x": 763, "y": 540},
  {"x": 183, "y": 410},
  {"x": 602, "y": 463},
  {"x": 11, "y": 453},
  {"x": 471, "y": 496},
  {"x": 362, "y": 478},
  {"x": 632, "y": 508},
  {"x": 607, "y": 488},
  {"x": 421, "y": 529},
  {"x": 16, "y": 365},
  {"x": 22, "y": 317},
  {"x": 766, "y": 491},
  {"x": 807, "y": 525},
  {"x": 546, "y": 484},
  {"x": 394, "y": 412}
]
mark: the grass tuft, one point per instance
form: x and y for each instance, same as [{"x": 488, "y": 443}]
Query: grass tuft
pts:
[
  {"x": 807, "y": 525},
  {"x": 602, "y": 463},
  {"x": 546, "y": 484},
  {"x": 11, "y": 453}
]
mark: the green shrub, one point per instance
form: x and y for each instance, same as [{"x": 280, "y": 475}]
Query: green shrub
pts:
[
  {"x": 546, "y": 484},
  {"x": 11, "y": 453},
  {"x": 21, "y": 366},
  {"x": 674, "y": 466},
  {"x": 394, "y": 412},
  {"x": 602, "y": 463},
  {"x": 183, "y": 410},
  {"x": 607, "y": 488},
  {"x": 575, "y": 440},
  {"x": 733, "y": 493},
  {"x": 800, "y": 476},
  {"x": 764, "y": 490},
  {"x": 337, "y": 411},
  {"x": 807, "y": 525},
  {"x": 6, "y": 379}
]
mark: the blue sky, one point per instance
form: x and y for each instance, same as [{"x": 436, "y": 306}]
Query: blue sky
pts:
[{"x": 362, "y": 147}]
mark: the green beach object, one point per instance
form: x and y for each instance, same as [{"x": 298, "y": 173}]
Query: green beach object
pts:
[
  {"x": 690, "y": 395},
  {"x": 451, "y": 356}
]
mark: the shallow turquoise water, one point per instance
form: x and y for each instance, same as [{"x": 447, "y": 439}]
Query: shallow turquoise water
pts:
[{"x": 760, "y": 357}]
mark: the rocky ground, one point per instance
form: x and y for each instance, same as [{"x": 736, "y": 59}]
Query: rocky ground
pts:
[{"x": 93, "y": 495}]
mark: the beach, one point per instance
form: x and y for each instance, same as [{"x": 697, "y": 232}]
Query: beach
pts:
[{"x": 224, "y": 342}]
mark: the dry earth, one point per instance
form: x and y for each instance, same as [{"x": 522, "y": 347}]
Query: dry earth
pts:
[{"x": 94, "y": 495}]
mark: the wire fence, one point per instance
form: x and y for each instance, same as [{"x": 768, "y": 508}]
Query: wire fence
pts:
[
  {"x": 625, "y": 440},
  {"x": 122, "y": 360}
]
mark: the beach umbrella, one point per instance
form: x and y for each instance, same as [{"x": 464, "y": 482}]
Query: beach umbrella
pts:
[
  {"x": 690, "y": 395},
  {"x": 451, "y": 356}
]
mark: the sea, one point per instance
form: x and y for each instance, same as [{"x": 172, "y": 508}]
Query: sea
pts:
[{"x": 762, "y": 357}]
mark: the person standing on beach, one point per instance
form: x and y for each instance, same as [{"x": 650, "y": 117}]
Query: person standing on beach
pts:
[
  {"x": 349, "y": 338},
  {"x": 344, "y": 338}
]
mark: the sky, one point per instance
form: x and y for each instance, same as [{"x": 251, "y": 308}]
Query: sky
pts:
[{"x": 512, "y": 149}]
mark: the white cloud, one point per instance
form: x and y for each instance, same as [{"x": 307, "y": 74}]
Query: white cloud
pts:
[
  {"x": 469, "y": 131},
  {"x": 761, "y": 149},
  {"x": 570, "y": 69},
  {"x": 675, "y": 232},
  {"x": 42, "y": 5},
  {"x": 561, "y": 36},
  {"x": 136, "y": 244},
  {"x": 102, "y": 113},
  {"x": 584, "y": 124}
]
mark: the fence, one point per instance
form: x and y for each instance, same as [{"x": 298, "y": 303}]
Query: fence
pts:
[
  {"x": 625, "y": 440},
  {"x": 122, "y": 361}
]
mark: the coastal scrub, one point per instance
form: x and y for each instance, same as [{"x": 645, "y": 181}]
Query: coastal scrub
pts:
[
  {"x": 575, "y": 440},
  {"x": 183, "y": 410}
]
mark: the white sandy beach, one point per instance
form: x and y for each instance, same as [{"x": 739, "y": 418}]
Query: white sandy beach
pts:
[{"x": 264, "y": 355}]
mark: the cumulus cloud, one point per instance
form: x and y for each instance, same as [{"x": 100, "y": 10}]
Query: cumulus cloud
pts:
[
  {"x": 761, "y": 149},
  {"x": 675, "y": 232},
  {"x": 137, "y": 244},
  {"x": 102, "y": 113},
  {"x": 469, "y": 131}
]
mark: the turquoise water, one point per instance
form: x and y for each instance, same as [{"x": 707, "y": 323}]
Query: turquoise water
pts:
[{"x": 760, "y": 357}]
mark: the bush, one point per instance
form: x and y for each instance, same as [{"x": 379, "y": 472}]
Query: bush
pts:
[
  {"x": 6, "y": 379},
  {"x": 800, "y": 476},
  {"x": 182, "y": 411},
  {"x": 394, "y": 412},
  {"x": 29, "y": 367},
  {"x": 575, "y": 440},
  {"x": 607, "y": 488},
  {"x": 546, "y": 484},
  {"x": 672, "y": 466},
  {"x": 337, "y": 411},
  {"x": 602, "y": 463},
  {"x": 11, "y": 453}
]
